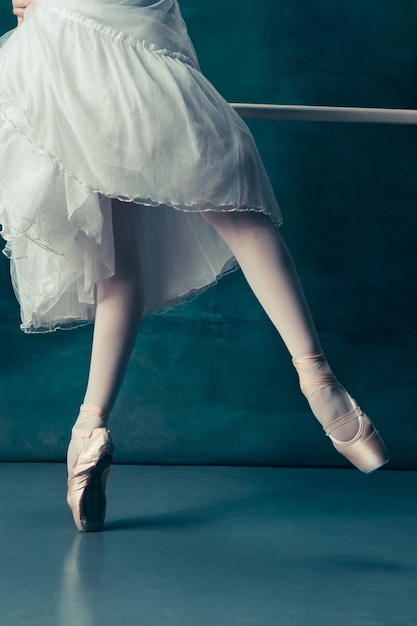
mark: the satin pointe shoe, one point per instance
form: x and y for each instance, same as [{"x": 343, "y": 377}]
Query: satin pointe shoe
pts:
[
  {"x": 366, "y": 450},
  {"x": 87, "y": 477}
]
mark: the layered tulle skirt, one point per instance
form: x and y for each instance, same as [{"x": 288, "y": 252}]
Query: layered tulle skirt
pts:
[{"x": 103, "y": 99}]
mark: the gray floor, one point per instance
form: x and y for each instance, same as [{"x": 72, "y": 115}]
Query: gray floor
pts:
[{"x": 212, "y": 546}]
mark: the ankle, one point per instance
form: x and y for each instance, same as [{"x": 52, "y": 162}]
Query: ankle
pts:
[
  {"x": 90, "y": 417},
  {"x": 328, "y": 399},
  {"x": 314, "y": 372}
]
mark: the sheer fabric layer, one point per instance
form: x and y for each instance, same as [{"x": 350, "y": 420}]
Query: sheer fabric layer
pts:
[{"x": 109, "y": 103}]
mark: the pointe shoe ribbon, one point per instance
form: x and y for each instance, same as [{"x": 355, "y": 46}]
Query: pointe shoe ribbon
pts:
[{"x": 314, "y": 380}]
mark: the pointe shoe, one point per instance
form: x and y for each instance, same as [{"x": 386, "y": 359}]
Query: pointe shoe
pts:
[
  {"x": 87, "y": 479},
  {"x": 366, "y": 450}
]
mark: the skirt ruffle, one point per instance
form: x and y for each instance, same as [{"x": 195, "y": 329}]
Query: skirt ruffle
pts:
[{"x": 92, "y": 109}]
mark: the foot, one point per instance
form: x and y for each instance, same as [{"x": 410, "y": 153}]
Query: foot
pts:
[
  {"x": 350, "y": 430},
  {"x": 89, "y": 457},
  {"x": 327, "y": 398}
]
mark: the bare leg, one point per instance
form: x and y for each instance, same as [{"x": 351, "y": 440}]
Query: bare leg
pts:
[
  {"x": 269, "y": 269},
  {"x": 118, "y": 314}
]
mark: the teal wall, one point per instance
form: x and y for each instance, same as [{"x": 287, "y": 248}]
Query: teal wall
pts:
[{"x": 211, "y": 382}]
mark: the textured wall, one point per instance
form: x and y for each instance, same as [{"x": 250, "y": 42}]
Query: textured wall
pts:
[{"x": 211, "y": 382}]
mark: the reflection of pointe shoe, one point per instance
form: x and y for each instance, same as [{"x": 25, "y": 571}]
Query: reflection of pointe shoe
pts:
[
  {"x": 87, "y": 480},
  {"x": 366, "y": 450}
]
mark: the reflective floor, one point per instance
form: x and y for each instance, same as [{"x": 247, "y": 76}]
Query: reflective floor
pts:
[{"x": 212, "y": 546}]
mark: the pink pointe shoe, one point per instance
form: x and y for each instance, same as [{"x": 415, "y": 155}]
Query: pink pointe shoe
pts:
[
  {"x": 90, "y": 454},
  {"x": 366, "y": 450}
]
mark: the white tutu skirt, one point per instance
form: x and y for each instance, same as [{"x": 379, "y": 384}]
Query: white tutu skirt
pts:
[{"x": 103, "y": 99}]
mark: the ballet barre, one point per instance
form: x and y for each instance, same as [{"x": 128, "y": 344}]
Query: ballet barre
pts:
[{"x": 325, "y": 113}]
